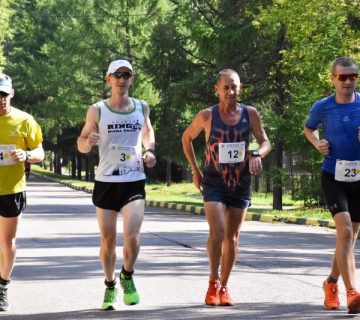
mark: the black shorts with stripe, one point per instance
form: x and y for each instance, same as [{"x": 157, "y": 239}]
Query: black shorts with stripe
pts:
[{"x": 12, "y": 205}]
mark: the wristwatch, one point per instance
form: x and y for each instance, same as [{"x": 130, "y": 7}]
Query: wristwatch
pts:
[
  {"x": 255, "y": 153},
  {"x": 27, "y": 155}
]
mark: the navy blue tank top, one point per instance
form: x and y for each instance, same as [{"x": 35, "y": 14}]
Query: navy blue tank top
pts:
[{"x": 231, "y": 176}]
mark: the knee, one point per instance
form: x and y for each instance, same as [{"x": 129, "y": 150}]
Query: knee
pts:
[
  {"x": 108, "y": 243},
  {"x": 232, "y": 239},
  {"x": 345, "y": 234},
  {"x": 217, "y": 235},
  {"x": 133, "y": 238},
  {"x": 7, "y": 243}
]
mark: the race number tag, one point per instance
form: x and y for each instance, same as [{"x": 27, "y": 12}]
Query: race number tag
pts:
[
  {"x": 231, "y": 152},
  {"x": 5, "y": 158},
  {"x": 347, "y": 171},
  {"x": 124, "y": 156}
]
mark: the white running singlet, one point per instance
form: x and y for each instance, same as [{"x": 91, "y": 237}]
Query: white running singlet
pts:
[{"x": 120, "y": 147}]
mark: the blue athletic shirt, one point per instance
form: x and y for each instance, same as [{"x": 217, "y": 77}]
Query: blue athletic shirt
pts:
[{"x": 340, "y": 124}]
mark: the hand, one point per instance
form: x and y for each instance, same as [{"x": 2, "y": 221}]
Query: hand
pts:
[
  {"x": 323, "y": 147},
  {"x": 18, "y": 155},
  {"x": 94, "y": 137},
  {"x": 149, "y": 159},
  {"x": 255, "y": 165},
  {"x": 197, "y": 179}
]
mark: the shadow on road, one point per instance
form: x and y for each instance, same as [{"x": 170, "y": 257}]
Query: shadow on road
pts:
[{"x": 198, "y": 312}]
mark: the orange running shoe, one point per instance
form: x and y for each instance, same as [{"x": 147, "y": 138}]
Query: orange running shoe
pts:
[
  {"x": 353, "y": 301},
  {"x": 225, "y": 299},
  {"x": 212, "y": 295},
  {"x": 331, "y": 291}
]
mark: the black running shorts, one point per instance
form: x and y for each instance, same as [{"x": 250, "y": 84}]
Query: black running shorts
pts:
[
  {"x": 12, "y": 205},
  {"x": 115, "y": 195},
  {"x": 341, "y": 196}
]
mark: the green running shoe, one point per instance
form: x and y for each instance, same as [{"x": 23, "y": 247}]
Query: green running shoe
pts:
[
  {"x": 131, "y": 296},
  {"x": 110, "y": 299}
]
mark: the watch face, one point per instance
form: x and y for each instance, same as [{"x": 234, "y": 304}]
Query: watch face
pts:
[{"x": 255, "y": 153}]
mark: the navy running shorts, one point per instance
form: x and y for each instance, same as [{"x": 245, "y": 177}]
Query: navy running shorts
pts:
[{"x": 227, "y": 197}]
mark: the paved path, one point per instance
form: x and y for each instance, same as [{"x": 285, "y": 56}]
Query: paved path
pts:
[{"x": 58, "y": 275}]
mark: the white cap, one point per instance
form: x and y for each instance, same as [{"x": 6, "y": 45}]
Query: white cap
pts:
[
  {"x": 5, "y": 83},
  {"x": 118, "y": 64}
]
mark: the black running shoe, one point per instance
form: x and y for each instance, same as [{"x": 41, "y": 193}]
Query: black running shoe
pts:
[{"x": 4, "y": 303}]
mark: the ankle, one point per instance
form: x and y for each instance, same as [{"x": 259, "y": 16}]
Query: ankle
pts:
[
  {"x": 110, "y": 284},
  {"x": 4, "y": 282},
  {"x": 126, "y": 273},
  {"x": 332, "y": 280}
]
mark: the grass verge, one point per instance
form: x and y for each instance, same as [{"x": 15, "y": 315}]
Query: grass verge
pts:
[{"x": 186, "y": 193}]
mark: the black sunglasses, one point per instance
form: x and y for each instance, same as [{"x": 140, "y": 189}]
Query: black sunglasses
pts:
[
  {"x": 119, "y": 75},
  {"x": 4, "y": 94},
  {"x": 344, "y": 77}
]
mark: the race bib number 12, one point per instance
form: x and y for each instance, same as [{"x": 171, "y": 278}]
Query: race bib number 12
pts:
[{"x": 231, "y": 152}]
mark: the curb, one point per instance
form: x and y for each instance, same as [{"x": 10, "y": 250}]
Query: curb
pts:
[{"x": 200, "y": 210}]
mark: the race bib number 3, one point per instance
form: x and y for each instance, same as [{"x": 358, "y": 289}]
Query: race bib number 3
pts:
[
  {"x": 123, "y": 156},
  {"x": 348, "y": 171},
  {"x": 231, "y": 152},
  {"x": 5, "y": 158}
]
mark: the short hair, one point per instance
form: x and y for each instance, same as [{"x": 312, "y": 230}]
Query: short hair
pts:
[
  {"x": 344, "y": 62},
  {"x": 225, "y": 72}
]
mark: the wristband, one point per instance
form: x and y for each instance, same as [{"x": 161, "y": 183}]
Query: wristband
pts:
[{"x": 151, "y": 150}]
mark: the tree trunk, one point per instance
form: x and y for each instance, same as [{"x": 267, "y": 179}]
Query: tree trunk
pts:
[
  {"x": 79, "y": 165},
  {"x": 73, "y": 166},
  {"x": 51, "y": 161},
  {"x": 279, "y": 110},
  {"x": 57, "y": 164},
  {"x": 92, "y": 167},
  {"x": 277, "y": 180},
  {"x": 257, "y": 183},
  {"x": 168, "y": 172},
  {"x": 87, "y": 175}
]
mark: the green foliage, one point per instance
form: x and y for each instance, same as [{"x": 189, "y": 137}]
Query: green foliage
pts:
[
  {"x": 58, "y": 52},
  {"x": 5, "y": 32}
]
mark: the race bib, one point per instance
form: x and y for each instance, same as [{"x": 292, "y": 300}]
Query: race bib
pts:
[
  {"x": 347, "y": 171},
  {"x": 123, "y": 156},
  {"x": 5, "y": 158},
  {"x": 231, "y": 152}
]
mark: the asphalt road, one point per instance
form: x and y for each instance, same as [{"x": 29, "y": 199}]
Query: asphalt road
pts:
[{"x": 58, "y": 275}]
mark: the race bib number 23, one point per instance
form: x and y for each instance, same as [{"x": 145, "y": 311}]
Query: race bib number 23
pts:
[{"x": 348, "y": 171}]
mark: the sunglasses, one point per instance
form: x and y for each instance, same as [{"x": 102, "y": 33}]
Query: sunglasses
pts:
[
  {"x": 344, "y": 77},
  {"x": 119, "y": 75},
  {"x": 4, "y": 94}
]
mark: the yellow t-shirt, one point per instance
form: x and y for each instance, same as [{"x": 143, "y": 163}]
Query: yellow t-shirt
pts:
[{"x": 18, "y": 130}]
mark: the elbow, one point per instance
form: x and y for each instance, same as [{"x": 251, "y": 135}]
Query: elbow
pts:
[{"x": 185, "y": 139}]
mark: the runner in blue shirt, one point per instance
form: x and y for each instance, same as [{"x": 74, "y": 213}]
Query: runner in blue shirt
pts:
[{"x": 339, "y": 117}]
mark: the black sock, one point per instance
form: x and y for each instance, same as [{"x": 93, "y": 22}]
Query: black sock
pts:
[
  {"x": 110, "y": 284},
  {"x": 126, "y": 273},
  {"x": 330, "y": 279},
  {"x": 4, "y": 282}
]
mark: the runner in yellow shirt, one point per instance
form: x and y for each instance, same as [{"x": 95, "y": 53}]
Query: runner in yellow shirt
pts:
[{"x": 19, "y": 132}]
